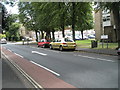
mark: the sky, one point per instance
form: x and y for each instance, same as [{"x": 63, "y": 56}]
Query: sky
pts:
[{"x": 12, "y": 10}]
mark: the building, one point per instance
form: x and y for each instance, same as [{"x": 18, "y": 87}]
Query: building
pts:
[
  {"x": 104, "y": 25},
  {"x": 26, "y": 34}
]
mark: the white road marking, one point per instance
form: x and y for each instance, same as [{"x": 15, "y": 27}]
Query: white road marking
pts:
[
  {"x": 105, "y": 60},
  {"x": 4, "y": 47},
  {"x": 95, "y": 58},
  {"x": 39, "y": 53},
  {"x": 45, "y": 68},
  {"x": 18, "y": 55},
  {"x": 9, "y": 50},
  {"x": 52, "y": 51}
]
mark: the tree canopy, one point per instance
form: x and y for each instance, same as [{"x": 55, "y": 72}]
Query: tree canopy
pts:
[{"x": 47, "y": 16}]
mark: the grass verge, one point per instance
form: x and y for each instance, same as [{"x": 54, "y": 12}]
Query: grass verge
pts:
[{"x": 87, "y": 44}]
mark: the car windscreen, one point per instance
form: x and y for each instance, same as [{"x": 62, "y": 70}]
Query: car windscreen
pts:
[{"x": 68, "y": 40}]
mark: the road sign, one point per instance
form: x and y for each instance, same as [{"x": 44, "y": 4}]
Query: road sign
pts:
[{"x": 104, "y": 36}]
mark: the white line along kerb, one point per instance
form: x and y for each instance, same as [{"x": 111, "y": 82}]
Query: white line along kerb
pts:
[
  {"x": 9, "y": 50},
  {"x": 18, "y": 55},
  {"x": 95, "y": 58},
  {"x": 45, "y": 68},
  {"x": 39, "y": 53}
]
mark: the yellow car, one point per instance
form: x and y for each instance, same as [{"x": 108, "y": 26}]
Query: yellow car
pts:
[{"x": 62, "y": 44}]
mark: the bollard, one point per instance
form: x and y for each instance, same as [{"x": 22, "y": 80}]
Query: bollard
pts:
[{"x": 23, "y": 41}]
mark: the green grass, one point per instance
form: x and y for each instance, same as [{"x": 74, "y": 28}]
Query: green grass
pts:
[{"x": 87, "y": 44}]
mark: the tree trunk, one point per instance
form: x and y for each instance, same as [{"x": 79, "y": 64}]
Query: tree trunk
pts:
[
  {"x": 39, "y": 36},
  {"x": 48, "y": 35},
  {"x": 63, "y": 33},
  {"x": 36, "y": 36},
  {"x": 82, "y": 34},
  {"x": 117, "y": 23},
  {"x": 42, "y": 35},
  {"x": 73, "y": 20},
  {"x": 53, "y": 36}
]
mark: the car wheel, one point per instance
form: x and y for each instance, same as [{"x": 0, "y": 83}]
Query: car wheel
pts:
[
  {"x": 51, "y": 47},
  {"x": 43, "y": 46},
  {"x": 73, "y": 49},
  {"x": 38, "y": 46},
  {"x": 61, "y": 48}
]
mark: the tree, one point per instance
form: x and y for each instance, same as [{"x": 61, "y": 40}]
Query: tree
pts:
[
  {"x": 13, "y": 33},
  {"x": 81, "y": 16},
  {"x": 27, "y": 16},
  {"x": 85, "y": 18},
  {"x": 48, "y": 16}
]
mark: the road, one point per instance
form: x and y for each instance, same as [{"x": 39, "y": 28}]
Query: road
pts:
[{"x": 83, "y": 70}]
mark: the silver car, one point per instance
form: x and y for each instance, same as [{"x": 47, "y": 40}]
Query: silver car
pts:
[{"x": 3, "y": 41}]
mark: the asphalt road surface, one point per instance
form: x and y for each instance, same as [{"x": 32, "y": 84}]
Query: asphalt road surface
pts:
[{"x": 83, "y": 70}]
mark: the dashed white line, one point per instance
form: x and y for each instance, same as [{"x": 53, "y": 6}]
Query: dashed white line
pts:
[
  {"x": 105, "y": 60},
  {"x": 18, "y": 55},
  {"x": 87, "y": 56},
  {"x": 45, "y": 68},
  {"x": 39, "y": 53},
  {"x": 95, "y": 58}
]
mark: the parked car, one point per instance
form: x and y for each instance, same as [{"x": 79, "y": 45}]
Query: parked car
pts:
[
  {"x": 62, "y": 44},
  {"x": 80, "y": 37},
  {"x": 43, "y": 43},
  {"x": 3, "y": 41},
  {"x": 91, "y": 36},
  {"x": 118, "y": 52}
]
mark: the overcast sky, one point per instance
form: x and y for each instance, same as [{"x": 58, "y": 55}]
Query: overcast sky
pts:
[{"x": 12, "y": 10}]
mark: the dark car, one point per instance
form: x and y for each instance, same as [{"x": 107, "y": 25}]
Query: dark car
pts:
[
  {"x": 43, "y": 43},
  {"x": 118, "y": 52}
]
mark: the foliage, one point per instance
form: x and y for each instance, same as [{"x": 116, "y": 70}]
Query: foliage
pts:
[
  {"x": 13, "y": 33},
  {"x": 2, "y": 36},
  {"x": 47, "y": 16}
]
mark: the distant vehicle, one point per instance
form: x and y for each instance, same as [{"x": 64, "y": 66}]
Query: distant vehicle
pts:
[
  {"x": 91, "y": 36},
  {"x": 3, "y": 41},
  {"x": 118, "y": 52},
  {"x": 43, "y": 43},
  {"x": 64, "y": 43},
  {"x": 80, "y": 37}
]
